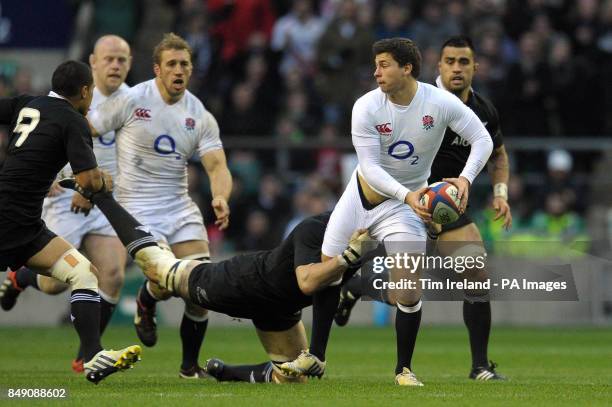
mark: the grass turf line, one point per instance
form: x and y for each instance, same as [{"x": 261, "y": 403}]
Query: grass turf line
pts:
[{"x": 553, "y": 366}]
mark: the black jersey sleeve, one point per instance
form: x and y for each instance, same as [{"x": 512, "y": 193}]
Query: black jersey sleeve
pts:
[
  {"x": 10, "y": 106},
  {"x": 495, "y": 128},
  {"x": 307, "y": 241},
  {"x": 79, "y": 145}
]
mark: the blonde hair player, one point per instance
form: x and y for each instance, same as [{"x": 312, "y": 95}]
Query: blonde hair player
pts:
[{"x": 160, "y": 125}]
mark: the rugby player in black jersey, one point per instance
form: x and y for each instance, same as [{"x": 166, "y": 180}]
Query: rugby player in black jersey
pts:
[
  {"x": 48, "y": 132},
  {"x": 269, "y": 287},
  {"x": 457, "y": 67}
]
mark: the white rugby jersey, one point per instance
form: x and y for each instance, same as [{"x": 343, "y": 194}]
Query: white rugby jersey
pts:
[
  {"x": 396, "y": 144},
  {"x": 103, "y": 146},
  {"x": 155, "y": 140}
]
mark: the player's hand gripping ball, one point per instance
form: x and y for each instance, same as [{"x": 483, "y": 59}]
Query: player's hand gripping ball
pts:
[{"x": 442, "y": 202}]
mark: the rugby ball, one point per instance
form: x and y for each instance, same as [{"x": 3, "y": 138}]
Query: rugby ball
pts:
[{"x": 442, "y": 202}]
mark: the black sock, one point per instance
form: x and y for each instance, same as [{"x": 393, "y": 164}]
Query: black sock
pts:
[
  {"x": 145, "y": 298},
  {"x": 26, "y": 278},
  {"x": 131, "y": 233},
  {"x": 324, "y": 305},
  {"x": 261, "y": 373},
  {"x": 85, "y": 315},
  {"x": 192, "y": 336},
  {"x": 367, "y": 286},
  {"x": 354, "y": 285},
  {"x": 477, "y": 318},
  {"x": 106, "y": 313},
  {"x": 406, "y": 330}
]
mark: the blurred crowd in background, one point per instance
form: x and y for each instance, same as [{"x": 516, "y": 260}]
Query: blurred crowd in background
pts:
[{"x": 290, "y": 71}]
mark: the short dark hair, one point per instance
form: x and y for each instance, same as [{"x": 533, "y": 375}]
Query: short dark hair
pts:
[
  {"x": 458, "y": 41},
  {"x": 403, "y": 50},
  {"x": 69, "y": 77}
]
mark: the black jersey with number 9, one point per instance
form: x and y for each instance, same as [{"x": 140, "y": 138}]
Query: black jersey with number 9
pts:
[{"x": 45, "y": 133}]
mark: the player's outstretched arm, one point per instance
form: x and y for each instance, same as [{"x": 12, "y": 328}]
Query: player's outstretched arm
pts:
[
  {"x": 312, "y": 277},
  {"x": 315, "y": 276},
  {"x": 215, "y": 165},
  {"x": 499, "y": 169}
]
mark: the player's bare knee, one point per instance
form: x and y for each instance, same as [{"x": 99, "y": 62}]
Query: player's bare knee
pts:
[
  {"x": 406, "y": 288},
  {"x": 74, "y": 269},
  {"x": 476, "y": 275},
  {"x": 111, "y": 279},
  {"x": 408, "y": 297},
  {"x": 409, "y": 308}
]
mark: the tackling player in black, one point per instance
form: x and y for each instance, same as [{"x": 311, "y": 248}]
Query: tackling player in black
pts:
[
  {"x": 457, "y": 67},
  {"x": 49, "y": 131},
  {"x": 269, "y": 287}
]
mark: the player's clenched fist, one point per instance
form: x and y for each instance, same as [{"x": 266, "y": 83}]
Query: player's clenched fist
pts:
[{"x": 353, "y": 252}]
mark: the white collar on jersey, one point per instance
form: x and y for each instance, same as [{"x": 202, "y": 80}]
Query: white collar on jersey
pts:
[{"x": 55, "y": 95}]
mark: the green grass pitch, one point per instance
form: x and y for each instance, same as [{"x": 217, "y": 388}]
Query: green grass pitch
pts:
[{"x": 547, "y": 366}]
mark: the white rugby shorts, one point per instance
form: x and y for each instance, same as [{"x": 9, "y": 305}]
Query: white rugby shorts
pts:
[
  {"x": 74, "y": 226},
  {"x": 170, "y": 222},
  {"x": 390, "y": 221}
]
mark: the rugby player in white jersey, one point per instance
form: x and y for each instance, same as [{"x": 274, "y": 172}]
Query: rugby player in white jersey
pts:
[
  {"x": 160, "y": 125},
  {"x": 457, "y": 67},
  {"x": 110, "y": 63},
  {"x": 397, "y": 130}
]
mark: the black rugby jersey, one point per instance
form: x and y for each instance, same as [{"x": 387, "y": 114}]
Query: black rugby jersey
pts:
[
  {"x": 46, "y": 133},
  {"x": 263, "y": 282},
  {"x": 454, "y": 150}
]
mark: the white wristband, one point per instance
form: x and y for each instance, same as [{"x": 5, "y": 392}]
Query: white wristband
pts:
[
  {"x": 500, "y": 190},
  {"x": 341, "y": 260}
]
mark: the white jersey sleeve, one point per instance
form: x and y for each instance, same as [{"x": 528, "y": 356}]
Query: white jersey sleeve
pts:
[
  {"x": 366, "y": 141},
  {"x": 463, "y": 121},
  {"x": 112, "y": 113},
  {"x": 210, "y": 139}
]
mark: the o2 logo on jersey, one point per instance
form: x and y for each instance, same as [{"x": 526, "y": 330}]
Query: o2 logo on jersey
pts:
[
  {"x": 403, "y": 150},
  {"x": 107, "y": 139},
  {"x": 165, "y": 145}
]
